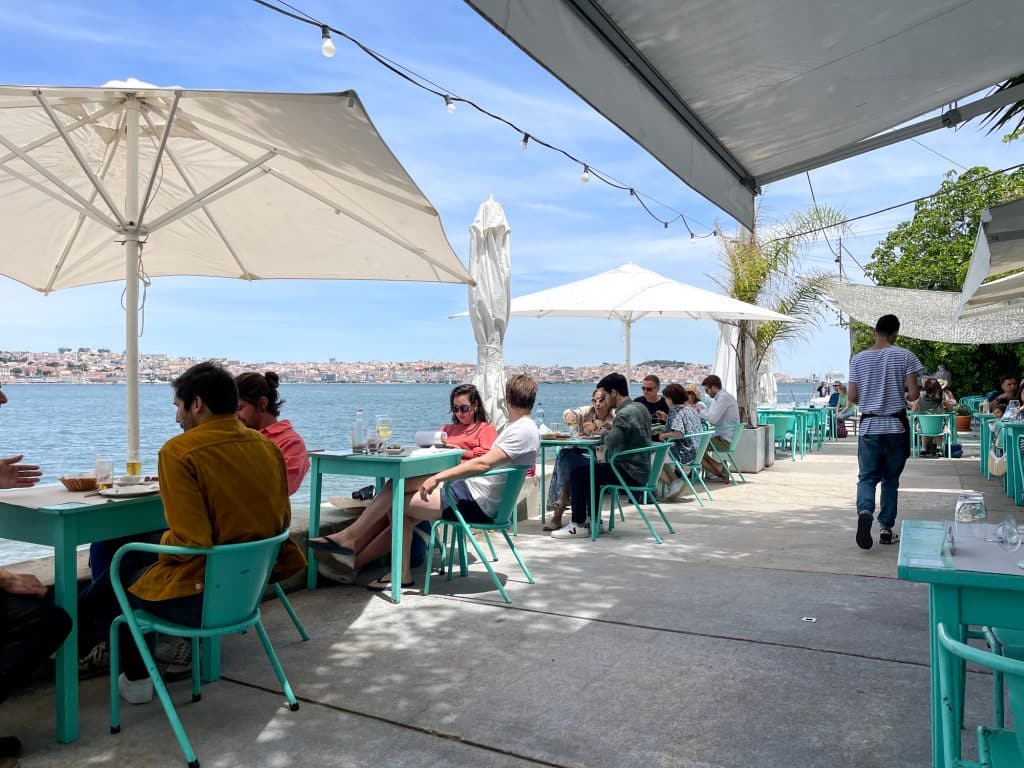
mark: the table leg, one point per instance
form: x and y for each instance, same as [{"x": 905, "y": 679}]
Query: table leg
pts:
[
  {"x": 985, "y": 435},
  {"x": 315, "y": 491},
  {"x": 596, "y": 517},
  {"x": 397, "y": 523},
  {"x": 543, "y": 497},
  {"x": 66, "y": 596},
  {"x": 944, "y": 608}
]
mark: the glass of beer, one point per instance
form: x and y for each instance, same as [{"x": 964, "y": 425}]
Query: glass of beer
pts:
[
  {"x": 104, "y": 474},
  {"x": 133, "y": 466}
]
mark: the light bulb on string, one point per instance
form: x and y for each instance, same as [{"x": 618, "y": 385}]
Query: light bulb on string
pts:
[
  {"x": 585, "y": 176},
  {"x": 326, "y": 44},
  {"x": 525, "y": 141},
  {"x": 448, "y": 103}
]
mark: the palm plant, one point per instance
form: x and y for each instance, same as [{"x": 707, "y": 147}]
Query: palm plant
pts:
[
  {"x": 763, "y": 268},
  {"x": 997, "y": 119}
]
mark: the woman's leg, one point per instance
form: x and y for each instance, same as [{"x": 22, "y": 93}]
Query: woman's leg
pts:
[
  {"x": 416, "y": 509},
  {"x": 366, "y": 528}
]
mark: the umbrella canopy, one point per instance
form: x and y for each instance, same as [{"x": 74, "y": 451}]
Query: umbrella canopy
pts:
[
  {"x": 130, "y": 180},
  {"x": 488, "y": 303},
  {"x": 999, "y": 248},
  {"x": 630, "y": 293},
  {"x": 816, "y": 82}
]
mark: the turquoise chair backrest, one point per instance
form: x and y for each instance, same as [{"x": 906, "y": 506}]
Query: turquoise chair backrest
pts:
[
  {"x": 737, "y": 432},
  {"x": 784, "y": 424},
  {"x": 514, "y": 478},
  {"x": 1013, "y": 677},
  {"x": 236, "y": 578},
  {"x": 930, "y": 424},
  {"x": 703, "y": 441},
  {"x": 658, "y": 453}
]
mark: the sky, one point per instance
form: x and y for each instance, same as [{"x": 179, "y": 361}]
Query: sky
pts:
[{"x": 562, "y": 229}]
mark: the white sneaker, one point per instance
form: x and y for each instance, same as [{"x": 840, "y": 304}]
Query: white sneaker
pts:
[
  {"x": 674, "y": 488},
  {"x": 569, "y": 530},
  {"x": 135, "y": 691}
]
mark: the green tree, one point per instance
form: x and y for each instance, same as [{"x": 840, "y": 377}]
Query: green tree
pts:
[{"x": 932, "y": 252}]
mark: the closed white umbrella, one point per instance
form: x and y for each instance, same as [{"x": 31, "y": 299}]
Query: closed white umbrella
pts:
[
  {"x": 630, "y": 293},
  {"x": 130, "y": 181},
  {"x": 491, "y": 269},
  {"x": 998, "y": 249}
]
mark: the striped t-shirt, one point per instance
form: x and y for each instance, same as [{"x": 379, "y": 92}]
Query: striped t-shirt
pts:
[{"x": 881, "y": 379}]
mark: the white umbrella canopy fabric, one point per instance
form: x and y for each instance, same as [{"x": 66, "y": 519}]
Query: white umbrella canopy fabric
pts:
[
  {"x": 998, "y": 248},
  {"x": 630, "y": 293},
  {"x": 490, "y": 266},
  {"x": 130, "y": 180}
]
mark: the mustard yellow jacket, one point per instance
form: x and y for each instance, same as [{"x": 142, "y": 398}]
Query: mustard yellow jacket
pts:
[{"x": 221, "y": 483}]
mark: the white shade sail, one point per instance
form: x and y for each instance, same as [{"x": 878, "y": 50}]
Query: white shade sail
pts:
[
  {"x": 928, "y": 315},
  {"x": 130, "y": 180},
  {"x": 630, "y": 293},
  {"x": 730, "y": 95},
  {"x": 998, "y": 248}
]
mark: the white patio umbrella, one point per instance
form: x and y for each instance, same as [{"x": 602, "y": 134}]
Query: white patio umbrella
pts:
[
  {"x": 630, "y": 293},
  {"x": 998, "y": 249},
  {"x": 130, "y": 181},
  {"x": 488, "y": 303}
]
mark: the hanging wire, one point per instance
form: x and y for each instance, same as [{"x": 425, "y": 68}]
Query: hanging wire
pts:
[{"x": 424, "y": 83}]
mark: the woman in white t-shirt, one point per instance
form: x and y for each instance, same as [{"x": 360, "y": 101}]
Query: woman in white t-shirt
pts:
[{"x": 477, "y": 498}]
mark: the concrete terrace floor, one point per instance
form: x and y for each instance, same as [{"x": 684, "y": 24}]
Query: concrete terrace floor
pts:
[{"x": 624, "y": 653}]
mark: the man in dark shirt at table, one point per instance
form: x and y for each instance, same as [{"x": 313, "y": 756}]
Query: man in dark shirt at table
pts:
[
  {"x": 630, "y": 429},
  {"x": 31, "y": 626},
  {"x": 651, "y": 400}
]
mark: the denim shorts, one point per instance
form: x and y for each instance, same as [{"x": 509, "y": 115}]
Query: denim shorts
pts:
[{"x": 467, "y": 505}]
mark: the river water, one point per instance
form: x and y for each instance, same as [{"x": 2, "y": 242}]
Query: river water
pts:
[{"x": 63, "y": 427}]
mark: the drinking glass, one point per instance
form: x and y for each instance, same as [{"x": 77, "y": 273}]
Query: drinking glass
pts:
[
  {"x": 104, "y": 474},
  {"x": 133, "y": 466},
  {"x": 384, "y": 431},
  {"x": 1008, "y": 535}
]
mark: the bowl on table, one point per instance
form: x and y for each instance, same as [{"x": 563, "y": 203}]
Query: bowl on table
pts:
[
  {"x": 128, "y": 480},
  {"x": 394, "y": 450},
  {"x": 79, "y": 482}
]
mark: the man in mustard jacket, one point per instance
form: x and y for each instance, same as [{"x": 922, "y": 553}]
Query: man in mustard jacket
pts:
[{"x": 220, "y": 483}]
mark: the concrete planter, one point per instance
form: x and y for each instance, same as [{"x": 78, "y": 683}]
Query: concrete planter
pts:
[
  {"x": 769, "y": 444},
  {"x": 750, "y": 451}
]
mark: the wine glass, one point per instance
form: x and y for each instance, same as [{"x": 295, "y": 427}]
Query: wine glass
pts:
[
  {"x": 1008, "y": 535},
  {"x": 384, "y": 431}
]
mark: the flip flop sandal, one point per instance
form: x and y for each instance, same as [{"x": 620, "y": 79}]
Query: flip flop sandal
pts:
[
  {"x": 330, "y": 545},
  {"x": 887, "y": 536},
  {"x": 383, "y": 584},
  {"x": 550, "y": 527}
]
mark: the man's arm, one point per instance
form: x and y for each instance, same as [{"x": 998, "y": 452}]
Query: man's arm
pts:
[
  {"x": 15, "y": 475},
  {"x": 851, "y": 392},
  {"x": 913, "y": 391},
  {"x": 715, "y": 411},
  {"x": 184, "y": 504}
]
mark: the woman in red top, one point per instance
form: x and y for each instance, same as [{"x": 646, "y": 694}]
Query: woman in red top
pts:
[
  {"x": 469, "y": 429},
  {"x": 258, "y": 408}
]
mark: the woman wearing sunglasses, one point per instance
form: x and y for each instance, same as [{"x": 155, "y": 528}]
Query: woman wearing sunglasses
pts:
[
  {"x": 591, "y": 421},
  {"x": 469, "y": 428}
]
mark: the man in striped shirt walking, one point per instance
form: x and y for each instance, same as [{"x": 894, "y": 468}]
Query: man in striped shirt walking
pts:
[{"x": 883, "y": 379}]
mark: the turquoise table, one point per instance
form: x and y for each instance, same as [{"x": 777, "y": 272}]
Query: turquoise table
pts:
[
  {"x": 55, "y": 517},
  {"x": 589, "y": 444},
  {"x": 958, "y": 597},
  {"x": 803, "y": 425},
  {"x": 397, "y": 469},
  {"x": 1010, "y": 432}
]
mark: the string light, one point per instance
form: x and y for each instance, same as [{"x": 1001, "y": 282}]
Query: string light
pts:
[
  {"x": 526, "y": 140},
  {"x": 585, "y": 176},
  {"x": 326, "y": 44},
  {"x": 448, "y": 103}
]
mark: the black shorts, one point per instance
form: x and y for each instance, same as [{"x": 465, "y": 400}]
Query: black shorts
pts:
[{"x": 467, "y": 505}]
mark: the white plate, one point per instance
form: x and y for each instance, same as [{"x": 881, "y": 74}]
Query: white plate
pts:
[{"x": 130, "y": 491}]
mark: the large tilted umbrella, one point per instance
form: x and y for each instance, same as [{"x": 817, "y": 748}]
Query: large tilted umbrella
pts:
[
  {"x": 131, "y": 181},
  {"x": 630, "y": 293},
  {"x": 488, "y": 303}
]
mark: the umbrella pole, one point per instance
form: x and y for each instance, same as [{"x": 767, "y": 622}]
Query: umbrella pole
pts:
[
  {"x": 629, "y": 367},
  {"x": 131, "y": 296}
]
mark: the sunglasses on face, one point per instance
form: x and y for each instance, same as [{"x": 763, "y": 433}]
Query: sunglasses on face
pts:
[
  {"x": 649, "y": 389},
  {"x": 596, "y": 400},
  {"x": 462, "y": 408}
]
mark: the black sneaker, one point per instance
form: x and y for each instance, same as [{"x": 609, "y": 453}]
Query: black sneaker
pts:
[{"x": 864, "y": 540}]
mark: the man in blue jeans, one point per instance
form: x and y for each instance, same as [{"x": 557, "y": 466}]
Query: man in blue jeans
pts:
[{"x": 883, "y": 380}]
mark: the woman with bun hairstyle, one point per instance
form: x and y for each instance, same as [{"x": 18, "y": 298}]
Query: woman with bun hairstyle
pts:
[{"x": 259, "y": 408}]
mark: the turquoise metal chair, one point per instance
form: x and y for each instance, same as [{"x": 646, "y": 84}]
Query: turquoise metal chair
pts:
[
  {"x": 785, "y": 430},
  {"x": 929, "y": 425},
  {"x": 234, "y": 583},
  {"x": 727, "y": 456},
  {"x": 1008, "y": 643},
  {"x": 997, "y": 747},
  {"x": 463, "y": 531},
  {"x": 657, "y": 453},
  {"x": 692, "y": 471}
]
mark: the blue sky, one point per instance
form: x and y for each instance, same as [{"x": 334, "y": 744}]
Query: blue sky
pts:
[{"x": 562, "y": 230}]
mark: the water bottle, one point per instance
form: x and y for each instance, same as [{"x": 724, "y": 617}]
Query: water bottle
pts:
[
  {"x": 359, "y": 433},
  {"x": 538, "y": 415},
  {"x": 1011, "y": 411}
]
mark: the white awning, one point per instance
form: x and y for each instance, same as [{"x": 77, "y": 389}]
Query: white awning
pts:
[
  {"x": 999, "y": 248},
  {"x": 730, "y": 95}
]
